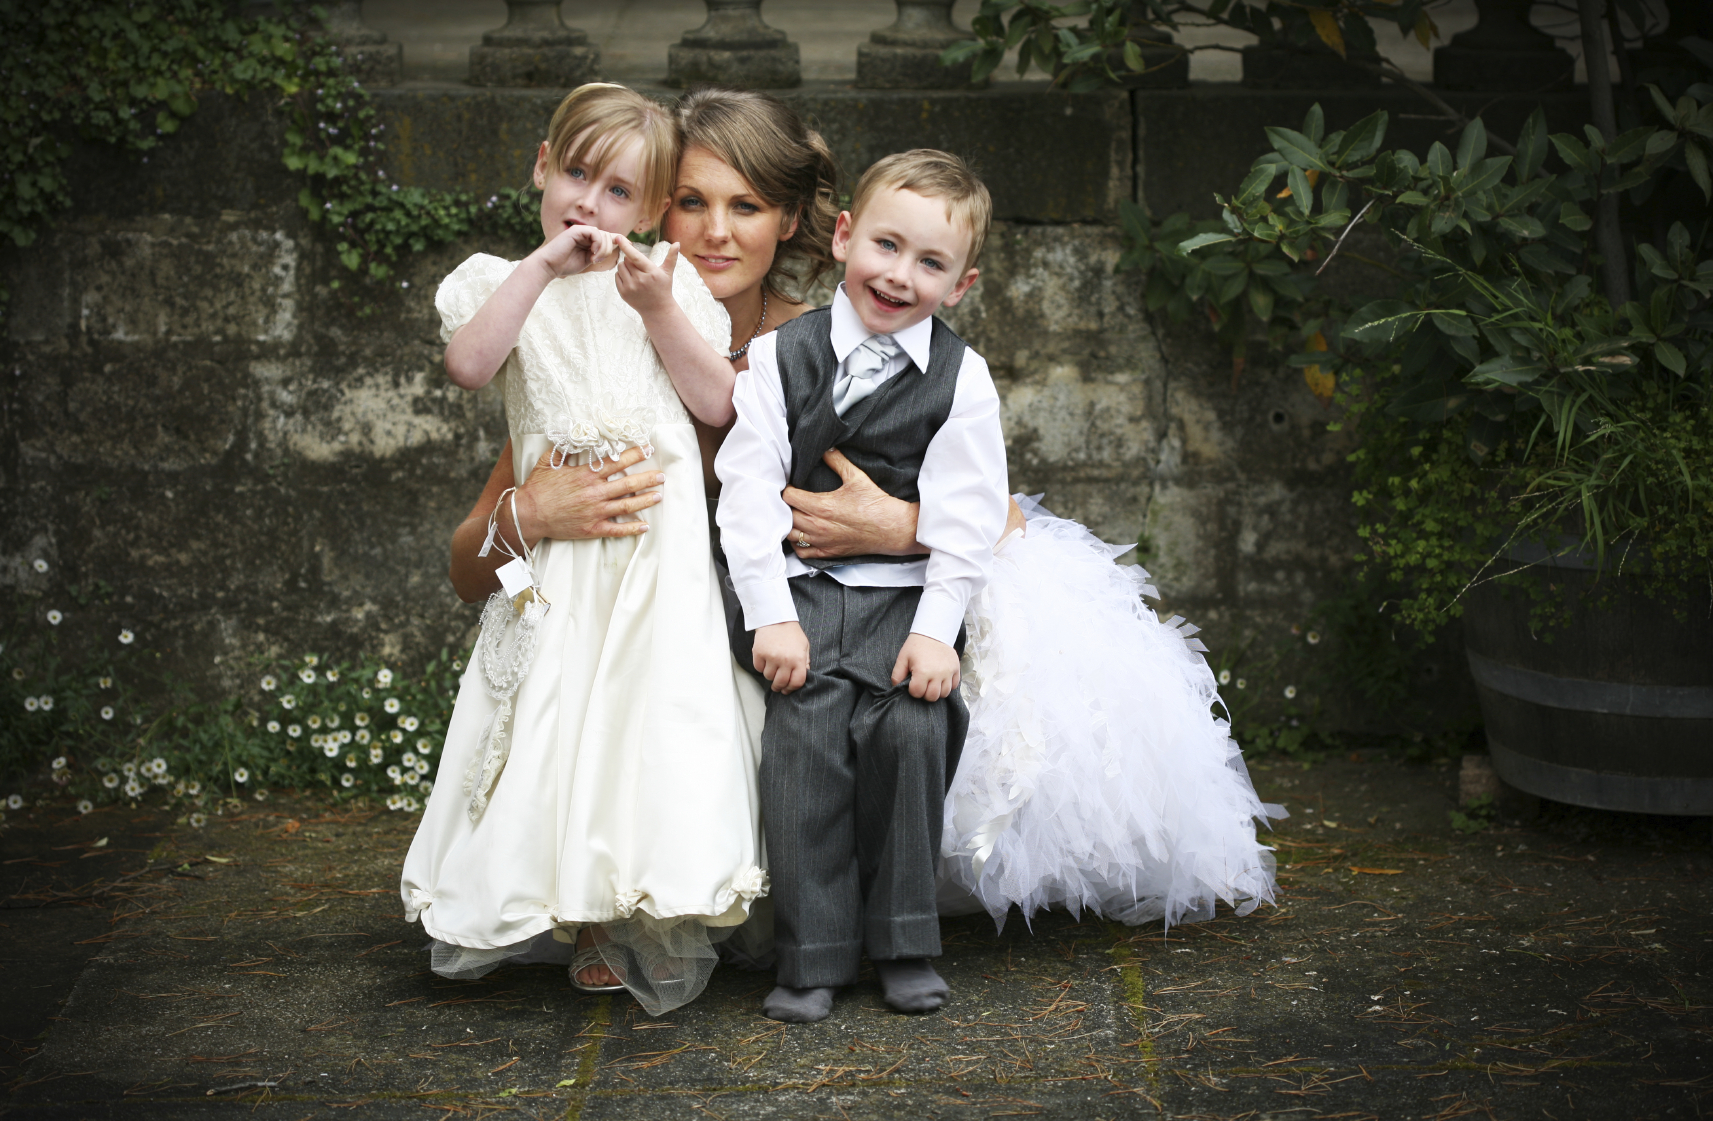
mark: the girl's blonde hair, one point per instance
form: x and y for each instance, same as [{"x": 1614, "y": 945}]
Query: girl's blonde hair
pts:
[
  {"x": 784, "y": 161},
  {"x": 593, "y": 116}
]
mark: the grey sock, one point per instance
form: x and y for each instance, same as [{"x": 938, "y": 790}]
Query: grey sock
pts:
[
  {"x": 911, "y": 984},
  {"x": 797, "y": 1006}
]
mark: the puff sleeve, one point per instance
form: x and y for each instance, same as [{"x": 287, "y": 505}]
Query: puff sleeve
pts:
[{"x": 468, "y": 287}]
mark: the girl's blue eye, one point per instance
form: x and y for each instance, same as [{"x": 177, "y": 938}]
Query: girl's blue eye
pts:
[
  {"x": 621, "y": 192},
  {"x": 575, "y": 173}
]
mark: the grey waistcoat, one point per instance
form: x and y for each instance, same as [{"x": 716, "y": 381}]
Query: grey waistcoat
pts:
[{"x": 886, "y": 433}]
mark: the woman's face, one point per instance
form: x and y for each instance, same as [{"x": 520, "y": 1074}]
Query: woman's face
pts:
[{"x": 722, "y": 226}]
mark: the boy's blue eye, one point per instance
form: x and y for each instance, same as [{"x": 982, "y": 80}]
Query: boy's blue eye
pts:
[
  {"x": 886, "y": 244},
  {"x": 931, "y": 262}
]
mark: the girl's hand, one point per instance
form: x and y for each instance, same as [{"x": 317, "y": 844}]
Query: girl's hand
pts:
[
  {"x": 645, "y": 286},
  {"x": 576, "y": 250},
  {"x": 572, "y": 502}
]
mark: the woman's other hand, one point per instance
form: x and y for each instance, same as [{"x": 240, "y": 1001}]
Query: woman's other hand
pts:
[
  {"x": 573, "y": 502},
  {"x": 857, "y": 518}
]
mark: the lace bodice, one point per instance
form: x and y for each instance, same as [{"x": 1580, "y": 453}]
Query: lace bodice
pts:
[{"x": 583, "y": 370}]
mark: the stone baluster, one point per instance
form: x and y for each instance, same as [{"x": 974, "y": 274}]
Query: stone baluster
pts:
[
  {"x": 367, "y": 54},
  {"x": 734, "y": 48},
  {"x": 534, "y": 49},
  {"x": 906, "y": 55},
  {"x": 1503, "y": 51}
]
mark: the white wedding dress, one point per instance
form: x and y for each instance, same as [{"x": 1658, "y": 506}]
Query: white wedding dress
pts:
[
  {"x": 600, "y": 764},
  {"x": 1095, "y": 774}
]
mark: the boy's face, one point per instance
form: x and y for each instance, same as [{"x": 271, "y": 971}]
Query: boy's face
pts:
[
  {"x": 904, "y": 260},
  {"x": 610, "y": 200}
]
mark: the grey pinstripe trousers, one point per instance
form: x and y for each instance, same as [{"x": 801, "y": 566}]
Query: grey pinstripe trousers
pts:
[{"x": 853, "y": 783}]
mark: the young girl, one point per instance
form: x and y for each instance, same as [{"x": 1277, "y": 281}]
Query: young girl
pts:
[{"x": 600, "y": 763}]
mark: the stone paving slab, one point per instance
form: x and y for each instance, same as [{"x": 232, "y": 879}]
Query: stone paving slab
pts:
[{"x": 1556, "y": 970}]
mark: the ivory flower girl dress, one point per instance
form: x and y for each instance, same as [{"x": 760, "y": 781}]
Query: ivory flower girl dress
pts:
[{"x": 600, "y": 765}]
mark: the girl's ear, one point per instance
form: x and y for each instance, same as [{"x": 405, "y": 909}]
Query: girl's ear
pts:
[
  {"x": 541, "y": 167},
  {"x": 842, "y": 236},
  {"x": 647, "y": 224}
]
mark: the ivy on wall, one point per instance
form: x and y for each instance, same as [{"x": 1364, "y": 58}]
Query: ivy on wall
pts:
[{"x": 130, "y": 72}]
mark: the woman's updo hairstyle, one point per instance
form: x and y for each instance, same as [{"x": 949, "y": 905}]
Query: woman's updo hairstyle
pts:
[{"x": 785, "y": 161}]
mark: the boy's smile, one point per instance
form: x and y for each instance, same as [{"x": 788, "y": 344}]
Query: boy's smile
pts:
[{"x": 903, "y": 260}]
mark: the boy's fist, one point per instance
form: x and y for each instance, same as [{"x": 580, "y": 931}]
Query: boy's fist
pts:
[
  {"x": 782, "y": 655},
  {"x": 930, "y": 664}
]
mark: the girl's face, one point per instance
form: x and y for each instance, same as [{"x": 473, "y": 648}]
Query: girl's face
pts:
[
  {"x": 722, "y": 226},
  {"x": 610, "y": 200}
]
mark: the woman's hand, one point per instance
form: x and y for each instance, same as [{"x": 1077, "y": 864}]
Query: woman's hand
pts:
[
  {"x": 644, "y": 285},
  {"x": 857, "y": 518}
]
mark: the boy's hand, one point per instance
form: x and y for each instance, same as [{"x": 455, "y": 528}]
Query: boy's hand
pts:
[
  {"x": 575, "y": 250},
  {"x": 782, "y": 655},
  {"x": 645, "y": 286},
  {"x": 930, "y": 664}
]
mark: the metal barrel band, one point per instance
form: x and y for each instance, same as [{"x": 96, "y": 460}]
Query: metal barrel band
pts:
[
  {"x": 1600, "y": 790},
  {"x": 1671, "y": 702}
]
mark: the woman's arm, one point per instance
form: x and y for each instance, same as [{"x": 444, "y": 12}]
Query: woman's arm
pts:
[
  {"x": 858, "y": 518},
  {"x": 563, "y": 504}
]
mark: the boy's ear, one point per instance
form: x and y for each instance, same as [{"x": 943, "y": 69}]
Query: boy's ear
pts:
[
  {"x": 541, "y": 167},
  {"x": 842, "y": 236},
  {"x": 958, "y": 289}
]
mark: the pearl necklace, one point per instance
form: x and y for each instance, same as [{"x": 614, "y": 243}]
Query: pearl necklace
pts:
[{"x": 744, "y": 349}]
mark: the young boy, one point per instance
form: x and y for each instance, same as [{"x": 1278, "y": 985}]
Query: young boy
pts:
[{"x": 864, "y": 721}]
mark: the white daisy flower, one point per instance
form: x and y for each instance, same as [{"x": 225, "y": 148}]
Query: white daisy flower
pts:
[
  {"x": 394, "y": 801},
  {"x": 269, "y": 683},
  {"x": 46, "y": 702},
  {"x": 261, "y": 795},
  {"x": 15, "y": 802},
  {"x": 288, "y": 701},
  {"x": 31, "y": 704},
  {"x": 162, "y": 780},
  {"x": 344, "y": 735},
  {"x": 457, "y": 663},
  {"x": 392, "y": 705},
  {"x": 1225, "y": 677},
  {"x": 1290, "y": 692},
  {"x": 128, "y": 768},
  {"x": 395, "y": 774},
  {"x": 59, "y": 763},
  {"x": 126, "y": 638},
  {"x": 367, "y": 693},
  {"x": 197, "y": 821},
  {"x": 408, "y": 759},
  {"x": 348, "y": 780},
  {"x": 408, "y": 723},
  {"x": 39, "y": 565},
  {"x": 376, "y": 755},
  {"x": 17, "y": 673},
  {"x": 422, "y": 767},
  {"x": 110, "y": 781},
  {"x": 331, "y": 674},
  {"x": 316, "y": 740},
  {"x": 313, "y": 721},
  {"x": 106, "y": 712},
  {"x": 361, "y": 720},
  {"x": 427, "y": 788},
  {"x": 384, "y": 677},
  {"x": 1242, "y": 684},
  {"x": 294, "y": 730},
  {"x": 351, "y": 760},
  {"x": 307, "y": 676},
  {"x": 311, "y": 660},
  {"x": 330, "y": 749},
  {"x": 193, "y": 789},
  {"x": 423, "y": 747},
  {"x": 411, "y": 778},
  {"x": 178, "y": 789},
  {"x": 159, "y": 764},
  {"x": 84, "y": 805},
  {"x": 105, "y": 682},
  {"x": 274, "y": 727},
  {"x": 396, "y": 736},
  {"x": 241, "y": 775},
  {"x": 133, "y": 789},
  {"x": 410, "y": 805},
  {"x": 333, "y": 721},
  {"x": 362, "y": 736},
  {"x": 55, "y": 618}
]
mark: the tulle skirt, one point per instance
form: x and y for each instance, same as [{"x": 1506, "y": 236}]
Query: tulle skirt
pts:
[{"x": 1095, "y": 775}]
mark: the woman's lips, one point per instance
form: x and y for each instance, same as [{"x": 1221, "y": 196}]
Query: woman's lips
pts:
[{"x": 717, "y": 264}]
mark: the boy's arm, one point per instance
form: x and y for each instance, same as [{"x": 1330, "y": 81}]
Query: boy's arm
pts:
[
  {"x": 752, "y": 465},
  {"x": 963, "y": 512},
  {"x": 703, "y": 377}
]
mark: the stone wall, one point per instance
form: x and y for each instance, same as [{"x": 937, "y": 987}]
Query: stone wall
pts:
[{"x": 194, "y": 417}]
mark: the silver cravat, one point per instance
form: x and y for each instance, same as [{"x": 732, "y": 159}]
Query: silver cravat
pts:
[{"x": 857, "y": 373}]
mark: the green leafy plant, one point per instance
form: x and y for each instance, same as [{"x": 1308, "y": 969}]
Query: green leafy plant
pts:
[{"x": 1476, "y": 816}]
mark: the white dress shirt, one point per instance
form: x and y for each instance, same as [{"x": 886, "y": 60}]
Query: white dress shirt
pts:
[{"x": 962, "y": 484}]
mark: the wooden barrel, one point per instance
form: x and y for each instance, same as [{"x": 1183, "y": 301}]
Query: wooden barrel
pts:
[{"x": 1613, "y": 710}]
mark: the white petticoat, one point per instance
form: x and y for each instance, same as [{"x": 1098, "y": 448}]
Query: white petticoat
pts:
[{"x": 1095, "y": 775}]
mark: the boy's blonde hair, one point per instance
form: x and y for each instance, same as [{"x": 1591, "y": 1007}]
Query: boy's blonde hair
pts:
[
  {"x": 592, "y": 117},
  {"x": 938, "y": 175}
]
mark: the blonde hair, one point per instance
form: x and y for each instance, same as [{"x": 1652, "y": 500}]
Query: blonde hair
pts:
[
  {"x": 937, "y": 175},
  {"x": 783, "y": 160},
  {"x": 595, "y": 115}
]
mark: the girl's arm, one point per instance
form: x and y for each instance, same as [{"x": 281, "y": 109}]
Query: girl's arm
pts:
[
  {"x": 478, "y": 349},
  {"x": 563, "y": 504},
  {"x": 702, "y": 375}
]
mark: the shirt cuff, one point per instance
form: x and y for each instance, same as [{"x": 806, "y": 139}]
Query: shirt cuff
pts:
[
  {"x": 939, "y": 615},
  {"x": 766, "y": 601}
]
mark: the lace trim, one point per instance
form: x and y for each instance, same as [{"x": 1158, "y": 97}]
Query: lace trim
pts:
[
  {"x": 603, "y": 438},
  {"x": 504, "y": 666}
]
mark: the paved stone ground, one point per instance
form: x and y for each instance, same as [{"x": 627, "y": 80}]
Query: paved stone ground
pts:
[{"x": 260, "y": 965}]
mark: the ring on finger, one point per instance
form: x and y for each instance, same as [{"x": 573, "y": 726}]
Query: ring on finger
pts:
[{"x": 802, "y": 541}]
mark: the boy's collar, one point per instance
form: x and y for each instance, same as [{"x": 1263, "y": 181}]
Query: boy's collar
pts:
[{"x": 850, "y": 333}]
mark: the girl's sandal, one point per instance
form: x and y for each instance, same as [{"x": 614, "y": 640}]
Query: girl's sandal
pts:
[{"x": 584, "y": 959}]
